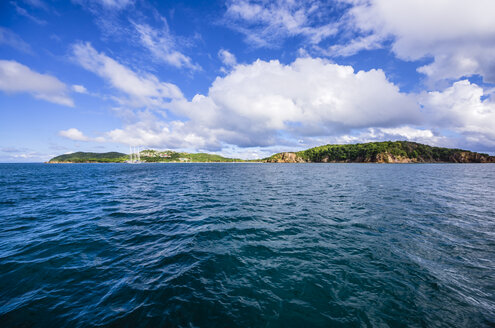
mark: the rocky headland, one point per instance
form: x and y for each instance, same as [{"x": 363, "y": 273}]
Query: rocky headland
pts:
[{"x": 381, "y": 152}]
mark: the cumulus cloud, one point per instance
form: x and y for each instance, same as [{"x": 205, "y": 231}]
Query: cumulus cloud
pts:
[
  {"x": 227, "y": 58},
  {"x": 141, "y": 89},
  {"x": 268, "y": 103},
  {"x": 150, "y": 131},
  {"x": 15, "y": 77},
  {"x": 458, "y": 35},
  {"x": 77, "y": 135},
  {"x": 163, "y": 46},
  {"x": 74, "y": 134},
  {"x": 464, "y": 108},
  {"x": 307, "y": 97},
  {"x": 79, "y": 88},
  {"x": 266, "y": 23}
]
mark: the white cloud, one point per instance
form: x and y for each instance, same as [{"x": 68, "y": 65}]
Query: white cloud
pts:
[
  {"x": 25, "y": 156},
  {"x": 460, "y": 108},
  {"x": 267, "y": 104},
  {"x": 368, "y": 42},
  {"x": 152, "y": 132},
  {"x": 116, "y": 4},
  {"x": 79, "y": 88},
  {"x": 266, "y": 23},
  {"x": 227, "y": 58},
  {"x": 408, "y": 132},
  {"x": 404, "y": 132},
  {"x": 308, "y": 97},
  {"x": 74, "y": 134},
  {"x": 9, "y": 38},
  {"x": 77, "y": 135},
  {"x": 23, "y": 12},
  {"x": 15, "y": 77},
  {"x": 458, "y": 34},
  {"x": 11, "y": 154},
  {"x": 463, "y": 111},
  {"x": 163, "y": 46},
  {"x": 142, "y": 89},
  {"x": 106, "y": 4}
]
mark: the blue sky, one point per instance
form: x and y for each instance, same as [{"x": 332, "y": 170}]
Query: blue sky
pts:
[{"x": 243, "y": 78}]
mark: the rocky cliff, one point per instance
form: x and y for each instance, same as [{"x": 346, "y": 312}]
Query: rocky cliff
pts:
[
  {"x": 285, "y": 158},
  {"x": 381, "y": 152}
]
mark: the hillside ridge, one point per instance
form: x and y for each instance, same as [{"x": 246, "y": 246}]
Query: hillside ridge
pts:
[
  {"x": 146, "y": 156},
  {"x": 371, "y": 152},
  {"x": 381, "y": 152}
]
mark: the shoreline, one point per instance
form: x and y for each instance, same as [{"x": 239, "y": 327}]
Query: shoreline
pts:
[{"x": 414, "y": 163}]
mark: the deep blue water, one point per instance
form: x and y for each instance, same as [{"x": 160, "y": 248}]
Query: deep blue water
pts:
[{"x": 247, "y": 245}]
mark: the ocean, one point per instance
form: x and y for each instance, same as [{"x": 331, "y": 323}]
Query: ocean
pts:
[{"x": 247, "y": 245}]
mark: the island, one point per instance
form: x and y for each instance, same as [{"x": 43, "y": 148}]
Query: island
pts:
[
  {"x": 371, "y": 152},
  {"x": 381, "y": 152},
  {"x": 145, "y": 156}
]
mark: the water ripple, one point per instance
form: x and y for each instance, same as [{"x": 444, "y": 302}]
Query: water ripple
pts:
[{"x": 236, "y": 245}]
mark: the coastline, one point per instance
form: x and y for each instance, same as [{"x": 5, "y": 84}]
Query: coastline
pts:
[{"x": 266, "y": 162}]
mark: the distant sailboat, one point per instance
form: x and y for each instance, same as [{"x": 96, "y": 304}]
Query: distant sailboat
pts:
[{"x": 134, "y": 157}]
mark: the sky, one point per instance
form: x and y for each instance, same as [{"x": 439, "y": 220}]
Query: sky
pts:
[{"x": 243, "y": 78}]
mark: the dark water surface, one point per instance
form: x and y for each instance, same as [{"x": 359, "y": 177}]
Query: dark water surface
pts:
[{"x": 247, "y": 245}]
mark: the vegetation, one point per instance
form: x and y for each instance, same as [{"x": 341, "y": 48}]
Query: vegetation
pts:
[
  {"x": 380, "y": 152},
  {"x": 147, "y": 156},
  {"x": 388, "y": 151},
  {"x": 154, "y": 156},
  {"x": 81, "y": 157}
]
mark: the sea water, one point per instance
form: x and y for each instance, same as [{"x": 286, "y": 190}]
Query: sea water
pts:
[{"x": 247, "y": 245}]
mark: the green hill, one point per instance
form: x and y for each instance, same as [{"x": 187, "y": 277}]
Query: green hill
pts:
[
  {"x": 147, "y": 156},
  {"x": 381, "y": 152},
  {"x": 154, "y": 156},
  {"x": 82, "y": 157}
]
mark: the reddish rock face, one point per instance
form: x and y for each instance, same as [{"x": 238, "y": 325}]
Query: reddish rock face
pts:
[
  {"x": 286, "y": 158},
  {"x": 461, "y": 157},
  {"x": 468, "y": 157}
]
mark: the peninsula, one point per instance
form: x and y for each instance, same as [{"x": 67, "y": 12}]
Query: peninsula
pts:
[{"x": 372, "y": 152}]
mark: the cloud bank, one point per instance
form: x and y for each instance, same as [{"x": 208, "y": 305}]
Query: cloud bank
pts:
[{"x": 308, "y": 102}]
